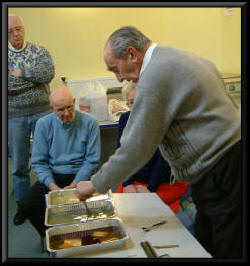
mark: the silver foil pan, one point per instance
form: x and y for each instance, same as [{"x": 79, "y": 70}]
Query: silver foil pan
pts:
[
  {"x": 79, "y": 212},
  {"x": 69, "y": 196},
  {"x": 62, "y": 234}
]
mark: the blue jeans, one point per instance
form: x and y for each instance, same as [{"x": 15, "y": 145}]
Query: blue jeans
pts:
[{"x": 19, "y": 132}]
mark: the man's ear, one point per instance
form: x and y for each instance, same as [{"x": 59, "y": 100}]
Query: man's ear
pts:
[{"x": 132, "y": 53}]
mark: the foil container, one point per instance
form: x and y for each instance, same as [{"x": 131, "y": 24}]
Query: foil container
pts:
[
  {"x": 69, "y": 196},
  {"x": 79, "y": 212},
  {"x": 82, "y": 230}
]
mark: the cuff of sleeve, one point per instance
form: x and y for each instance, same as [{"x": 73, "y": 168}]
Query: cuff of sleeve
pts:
[
  {"x": 79, "y": 178},
  {"x": 100, "y": 188},
  {"x": 48, "y": 181}
]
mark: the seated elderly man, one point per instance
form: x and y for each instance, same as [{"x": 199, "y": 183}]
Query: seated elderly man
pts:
[{"x": 66, "y": 150}]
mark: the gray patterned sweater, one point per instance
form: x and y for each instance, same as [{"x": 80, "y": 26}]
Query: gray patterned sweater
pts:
[
  {"x": 182, "y": 106},
  {"x": 29, "y": 94}
]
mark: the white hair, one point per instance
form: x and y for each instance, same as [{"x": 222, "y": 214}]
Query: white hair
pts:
[
  {"x": 127, "y": 87},
  {"x": 13, "y": 15}
]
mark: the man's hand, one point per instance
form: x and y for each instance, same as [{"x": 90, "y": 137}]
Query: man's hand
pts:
[
  {"x": 129, "y": 189},
  {"x": 72, "y": 185},
  {"x": 84, "y": 189},
  {"x": 53, "y": 186},
  {"x": 141, "y": 189},
  {"x": 16, "y": 72}
]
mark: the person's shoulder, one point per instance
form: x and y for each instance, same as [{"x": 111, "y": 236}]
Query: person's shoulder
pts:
[
  {"x": 124, "y": 117},
  {"x": 86, "y": 117},
  {"x": 165, "y": 53},
  {"x": 47, "y": 119},
  {"x": 172, "y": 54},
  {"x": 36, "y": 47}
]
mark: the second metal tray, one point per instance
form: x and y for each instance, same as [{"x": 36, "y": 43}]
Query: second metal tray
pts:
[
  {"x": 69, "y": 196},
  {"x": 80, "y": 212}
]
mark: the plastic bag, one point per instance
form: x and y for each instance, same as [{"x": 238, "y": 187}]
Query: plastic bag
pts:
[{"x": 93, "y": 100}]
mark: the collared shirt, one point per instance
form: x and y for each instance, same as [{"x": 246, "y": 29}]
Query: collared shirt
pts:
[{"x": 147, "y": 57}]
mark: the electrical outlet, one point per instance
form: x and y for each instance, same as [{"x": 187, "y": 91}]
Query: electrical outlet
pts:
[
  {"x": 229, "y": 12},
  {"x": 63, "y": 79}
]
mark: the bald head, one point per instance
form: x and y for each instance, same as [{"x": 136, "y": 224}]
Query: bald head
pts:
[
  {"x": 60, "y": 94},
  {"x": 62, "y": 103}
]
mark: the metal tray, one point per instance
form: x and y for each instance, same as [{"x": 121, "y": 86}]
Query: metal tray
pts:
[
  {"x": 81, "y": 212},
  {"x": 69, "y": 196},
  {"x": 84, "y": 230}
]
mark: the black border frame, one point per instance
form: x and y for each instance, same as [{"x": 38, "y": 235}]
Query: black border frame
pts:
[{"x": 5, "y": 5}]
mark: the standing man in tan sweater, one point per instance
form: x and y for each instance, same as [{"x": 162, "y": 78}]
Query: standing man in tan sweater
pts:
[{"x": 181, "y": 106}]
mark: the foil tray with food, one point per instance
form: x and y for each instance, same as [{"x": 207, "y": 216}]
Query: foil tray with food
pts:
[
  {"x": 82, "y": 238},
  {"x": 69, "y": 196},
  {"x": 78, "y": 212}
]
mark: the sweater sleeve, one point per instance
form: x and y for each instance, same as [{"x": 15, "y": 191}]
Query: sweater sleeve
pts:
[
  {"x": 141, "y": 137},
  {"x": 42, "y": 70},
  {"x": 40, "y": 154},
  {"x": 92, "y": 154},
  {"x": 18, "y": 85}
]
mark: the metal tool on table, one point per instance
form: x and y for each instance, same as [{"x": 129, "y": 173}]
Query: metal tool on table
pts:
[
  {"x": 167, "y": 246},
  {"x": 148, "y": 249},
  {"x": 147, "y": 229},
  {"x": 87, "y": 209}
]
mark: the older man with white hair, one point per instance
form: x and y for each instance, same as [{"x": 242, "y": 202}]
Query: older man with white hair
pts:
[{"x": 30, "y": 70}]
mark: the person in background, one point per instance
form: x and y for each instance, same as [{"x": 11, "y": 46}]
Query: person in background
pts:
[
  {"x": 154, "y": 176},
  {"x": 181, "y": 104},
  {"x": 66, "y": 150},
  {"x": 30, "y": 70}
]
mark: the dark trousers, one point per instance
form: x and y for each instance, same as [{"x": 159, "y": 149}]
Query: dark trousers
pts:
[
  {"x": 33, "y": 202},
  {"x": 218, "y": 199}
]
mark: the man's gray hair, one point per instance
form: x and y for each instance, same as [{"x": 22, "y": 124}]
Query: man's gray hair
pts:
[{"x": 124, "y": 37}]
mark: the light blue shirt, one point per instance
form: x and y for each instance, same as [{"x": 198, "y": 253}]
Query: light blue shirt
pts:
[{"x": 66, "y": 148}]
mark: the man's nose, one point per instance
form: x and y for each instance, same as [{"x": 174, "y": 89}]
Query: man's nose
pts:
[{"x": 66, "y": 112}]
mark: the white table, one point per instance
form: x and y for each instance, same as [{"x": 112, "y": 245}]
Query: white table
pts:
[{"x": 144, "y": 209}]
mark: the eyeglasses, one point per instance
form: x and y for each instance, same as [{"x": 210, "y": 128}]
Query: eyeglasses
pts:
[
  {"x": 61, "y": 111},
  {"x": 17, "y": 29}
]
